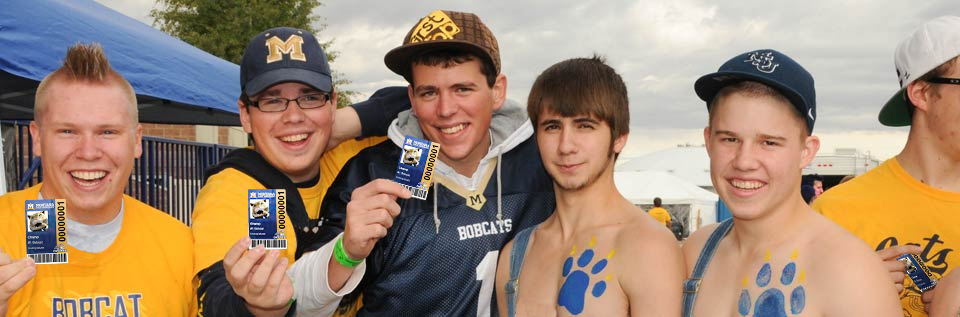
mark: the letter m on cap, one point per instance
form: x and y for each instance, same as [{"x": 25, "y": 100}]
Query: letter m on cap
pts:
[{"x": 293, "y": 46}]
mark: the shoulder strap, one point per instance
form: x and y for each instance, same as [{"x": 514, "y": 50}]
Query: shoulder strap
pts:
[
  {"x": 253, "y": 164},
  {"x": 520, "y": 242},
  {"x": 692, "y": 285}
]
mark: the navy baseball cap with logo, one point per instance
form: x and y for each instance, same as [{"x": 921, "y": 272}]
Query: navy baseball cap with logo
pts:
[
  {"x": 770, "y": 68},
  {"x": 284, "y": 54}
]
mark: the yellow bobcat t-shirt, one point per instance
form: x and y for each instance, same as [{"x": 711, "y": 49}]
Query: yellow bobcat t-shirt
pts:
[
  {"x": 147, "y": 271},
  {"x": 887, "y": 207},
  {"x": 220, "y": 217}
]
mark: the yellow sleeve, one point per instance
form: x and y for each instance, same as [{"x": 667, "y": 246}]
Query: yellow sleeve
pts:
[
  {"x": 334, "y": 159},
  {"x": 219, "y": 216},
  {"x": 189, "y": 275},
  {"x": 819, "y": 203}
]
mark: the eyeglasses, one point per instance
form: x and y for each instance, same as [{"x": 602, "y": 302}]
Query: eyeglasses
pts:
[
  {"x": 278, "y": 104},
  {"x": 944, "y": 80}
]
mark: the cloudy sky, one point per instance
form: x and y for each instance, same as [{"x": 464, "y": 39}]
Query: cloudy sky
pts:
[{"x": 660, "y": 47}]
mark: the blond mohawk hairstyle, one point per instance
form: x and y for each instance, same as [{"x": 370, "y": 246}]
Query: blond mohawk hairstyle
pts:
[{"x": 84, "y": 63}]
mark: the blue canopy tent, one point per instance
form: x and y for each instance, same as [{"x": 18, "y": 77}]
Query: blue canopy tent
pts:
[{"x": 174, "y": 81}]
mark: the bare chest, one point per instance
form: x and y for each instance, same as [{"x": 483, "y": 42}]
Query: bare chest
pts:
[
  {"x": 570, "y": 280},
  {"x": 774, "y": 284}
]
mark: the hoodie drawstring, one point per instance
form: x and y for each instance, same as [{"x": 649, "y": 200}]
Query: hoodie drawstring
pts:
[
  {"x": 436, "y": 215},
  {"x": 499, "y": 202}
]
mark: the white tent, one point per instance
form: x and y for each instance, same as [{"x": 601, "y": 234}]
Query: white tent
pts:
[
  {"x": 694, "y": 206},
  {"x": 690, "y": 163}
]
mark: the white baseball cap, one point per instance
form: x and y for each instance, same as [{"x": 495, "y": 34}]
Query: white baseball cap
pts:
[{"x": 931, "y": 45}]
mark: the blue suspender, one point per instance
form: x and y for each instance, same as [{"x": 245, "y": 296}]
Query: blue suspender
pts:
[
  {"x": 692, "y": 285},
  {"x": 519, "y": 250}
]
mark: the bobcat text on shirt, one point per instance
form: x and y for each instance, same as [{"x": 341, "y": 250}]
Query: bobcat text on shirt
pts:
[
  {"x": 485, "y": 228},
  {"x": 98, "y": 306}
]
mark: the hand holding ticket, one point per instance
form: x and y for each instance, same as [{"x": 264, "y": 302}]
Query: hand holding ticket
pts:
[
  {"x": 46, "y": 230},
  {"x": 13, "y": 276},
  {"x": 267, "y": 218},
  {"x": 370, "y": 214},
  {"x": 918, "y": 271},
  {"x": 415, "y": 169}
]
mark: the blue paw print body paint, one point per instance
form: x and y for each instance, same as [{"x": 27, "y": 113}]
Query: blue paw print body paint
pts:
[
  {"x": 772, "y": 300},
  {"x": 576, "y": 281}
]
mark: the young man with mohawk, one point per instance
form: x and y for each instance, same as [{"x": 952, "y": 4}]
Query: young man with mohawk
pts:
[{"x": 125, "y": 258}]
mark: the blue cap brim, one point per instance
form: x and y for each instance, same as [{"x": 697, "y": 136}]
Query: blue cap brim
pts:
[
  {"x": 313, "y": 79},
  {"x": 709, "y": 85}
]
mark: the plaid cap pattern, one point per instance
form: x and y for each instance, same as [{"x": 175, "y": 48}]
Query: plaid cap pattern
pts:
[{"x": 443, "y": 29}]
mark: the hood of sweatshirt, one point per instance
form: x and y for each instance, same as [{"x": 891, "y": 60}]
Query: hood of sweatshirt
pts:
[{"x": 509, "y": 127}]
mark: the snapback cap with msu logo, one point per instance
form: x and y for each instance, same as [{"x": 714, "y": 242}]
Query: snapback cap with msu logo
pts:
[
  {"x": 284, "y": 54},
  {"x": 770, "y": 68},
  {"x": 441, "y": 30}
]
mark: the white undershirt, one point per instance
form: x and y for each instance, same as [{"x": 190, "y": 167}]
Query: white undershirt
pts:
[{"x": 92, "y": 238}]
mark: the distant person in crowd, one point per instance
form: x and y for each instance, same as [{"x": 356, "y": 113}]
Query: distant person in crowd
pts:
[
  {"x": 815, "y": 181},
  {"x": 910, "y": 203},
  {"x": 817, "y": 186},
  {"x": 660, "y": 214},
  {"x": 777, "y": 256}
]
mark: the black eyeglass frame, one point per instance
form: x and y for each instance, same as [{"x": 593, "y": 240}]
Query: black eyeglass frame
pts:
[
  {"x": 944, "y": 80},
  {"x": 286, "y": 101}
]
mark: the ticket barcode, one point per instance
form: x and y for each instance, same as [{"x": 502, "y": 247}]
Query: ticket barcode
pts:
[
  {"x": 415, "y": 167},
  {"x": 417, "y": 192},
  {"x": 49, "y": 258},
  {"x": 269, "y": 243}
]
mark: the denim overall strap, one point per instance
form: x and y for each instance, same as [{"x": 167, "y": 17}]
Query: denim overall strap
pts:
[
  {"x": 692, "y": 284},
  {"x": 516, "y": 263}
]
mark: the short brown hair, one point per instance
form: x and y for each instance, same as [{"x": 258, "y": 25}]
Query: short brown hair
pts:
[
  {"x": 936, "y": 72},
  {"x": 581, "y": 86},
  {"x": 84, "y": 63},
  {"x": 450, "y": 57},
  {"x": 756, "y": 89}
]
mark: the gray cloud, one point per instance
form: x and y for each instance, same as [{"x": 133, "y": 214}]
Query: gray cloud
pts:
[{"x": 659, "y": 47}]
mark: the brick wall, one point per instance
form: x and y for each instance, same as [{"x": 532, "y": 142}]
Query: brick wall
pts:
[
  {"x": 223, "y": 135},
  {"x": 171, "y": 131},
  {"x": 188, "y": 133}
]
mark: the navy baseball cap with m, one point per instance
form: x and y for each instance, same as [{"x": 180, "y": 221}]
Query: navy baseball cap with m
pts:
[
  {"x": 770, "y": 68},
  {"x": 284, "y": 54}
]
